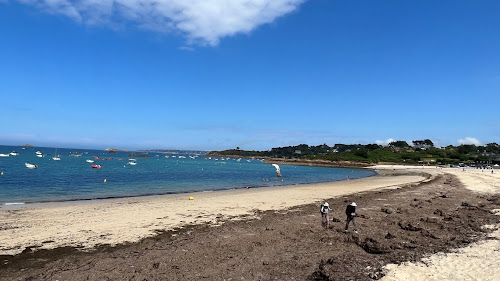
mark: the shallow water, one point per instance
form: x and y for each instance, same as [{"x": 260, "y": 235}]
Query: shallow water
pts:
[{"x": 72, "y": 178}]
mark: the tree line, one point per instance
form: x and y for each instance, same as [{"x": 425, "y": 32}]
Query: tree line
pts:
[{"x": 421, "y": 151}]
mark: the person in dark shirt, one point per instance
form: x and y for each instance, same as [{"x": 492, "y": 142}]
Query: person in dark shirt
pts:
[{"x": 350, "y": 211}]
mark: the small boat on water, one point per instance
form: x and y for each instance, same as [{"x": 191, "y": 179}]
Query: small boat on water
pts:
[
  {"x": 89, "y": 161},
  {"x": 14, "y": 153},
  {"x": 132, "y": 159},
  {"x": 132, "y": 163},
  {"x": 4, "y": 155},
  {"x": 39, "y": 155},
  {"x": 30, "y": 166},
  {"x": 56, "y": 157},
  {"x": 97, "y": 166}
]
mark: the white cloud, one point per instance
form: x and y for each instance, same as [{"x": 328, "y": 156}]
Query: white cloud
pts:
[
  {"x": 203, "y": 22},
  {"x": 384, "y": 142},
  {"x": 186, "y": 48},
  {"x": 63, "y": 7},
  {"x": 469, "y": 140}
]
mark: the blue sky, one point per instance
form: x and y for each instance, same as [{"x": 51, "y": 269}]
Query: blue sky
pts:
[{"x": 217, "y": 74}]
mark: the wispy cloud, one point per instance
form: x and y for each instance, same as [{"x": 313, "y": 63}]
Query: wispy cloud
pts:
[
  {"x": 63, "y": 7},
  {"x": 203, "y": 22},
  {"x": 186, "y": 48},
  {"x": 384, "y": 142},
  {"x": 469, "y": 140}
]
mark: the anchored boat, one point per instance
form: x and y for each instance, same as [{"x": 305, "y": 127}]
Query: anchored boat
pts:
[{"x": 30, "y": 166}]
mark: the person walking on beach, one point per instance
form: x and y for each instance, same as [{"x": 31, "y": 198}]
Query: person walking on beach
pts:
[
  {"x": 350, "y": 211},
  {"x": 325, "y": 208}
]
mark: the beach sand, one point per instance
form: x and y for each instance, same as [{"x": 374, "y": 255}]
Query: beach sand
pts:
[
  {"x": 263, "y": 234},
  {"x": 89, "y": 223},
  {"x": 479, "y": 261}
]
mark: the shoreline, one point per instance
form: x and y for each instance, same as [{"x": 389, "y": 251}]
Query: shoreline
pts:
[
  {"x": 317, "y": 163},
  {"x": 397, "y": 223},
  {"x": 271, "y": 182},
  {"x": 11, "y": 205},
  {"x": 95, "y": 222},
  {"x": 302, "y": 161}
]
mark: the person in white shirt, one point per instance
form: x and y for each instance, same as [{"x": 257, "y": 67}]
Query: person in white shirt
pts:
[{"x": 325, "y": 209}]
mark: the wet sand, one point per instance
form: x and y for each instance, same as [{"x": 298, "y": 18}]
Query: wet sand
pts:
[{"x": 263, "y": 234}]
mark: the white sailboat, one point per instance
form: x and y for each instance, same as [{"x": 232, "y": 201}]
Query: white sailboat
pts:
[
  {"x": 4, "y": 155},
  {"x": 56, "y": 157},
  {"x": 89, "y": 161},
  {"x": 30, "y": 166},
  {"x": 278, "y": 171}
]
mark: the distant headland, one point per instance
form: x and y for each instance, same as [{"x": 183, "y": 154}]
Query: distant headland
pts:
[{"x": 421, "y": 152}]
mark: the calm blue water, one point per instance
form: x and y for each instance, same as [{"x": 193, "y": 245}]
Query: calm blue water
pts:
[{"x": 72, "y": 178}]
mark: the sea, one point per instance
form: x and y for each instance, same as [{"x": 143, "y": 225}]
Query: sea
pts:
[{"x": 72, "y": 178}]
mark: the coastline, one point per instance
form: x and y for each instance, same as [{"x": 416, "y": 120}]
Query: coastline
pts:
[
  {"x": 398, "y": 223},
  {"x": 82, "y": 183},
  {"x": 317, "y": 163},
  {"x": 295, "y": 244},
  {"x": 91, "y": 223},
  {"x": 302, "y": 161},
  {"x": 11, "y": 205}
]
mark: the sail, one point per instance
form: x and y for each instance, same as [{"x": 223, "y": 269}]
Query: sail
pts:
[{"x": 278, "y": 172}]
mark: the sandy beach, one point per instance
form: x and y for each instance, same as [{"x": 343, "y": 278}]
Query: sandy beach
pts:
[
  {"x": 392, "y": 241},
  {"x": 479, "y": 261},
  {"x": 90, "y": 223}
]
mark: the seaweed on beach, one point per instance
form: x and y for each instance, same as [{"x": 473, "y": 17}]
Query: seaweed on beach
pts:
[{"x": 285, "y": 245}]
